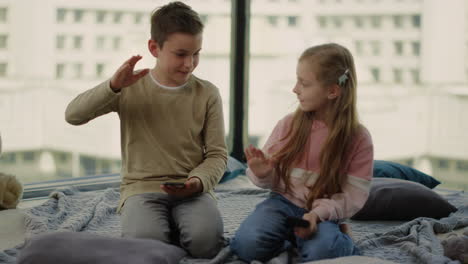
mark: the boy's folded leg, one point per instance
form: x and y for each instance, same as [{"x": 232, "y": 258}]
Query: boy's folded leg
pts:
[
  {"x": 81, "y": 248},
  {"x": 201, "y": 226},
  {"x": 146, "y": 216}
]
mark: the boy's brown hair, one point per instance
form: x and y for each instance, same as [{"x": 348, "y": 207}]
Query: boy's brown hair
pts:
[{"x": 174, "y": 17}]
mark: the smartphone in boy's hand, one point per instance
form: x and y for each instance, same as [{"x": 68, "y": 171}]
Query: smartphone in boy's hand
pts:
[
  {"x": 179, "y": 185},
  {"x": 296, "y": 222}
]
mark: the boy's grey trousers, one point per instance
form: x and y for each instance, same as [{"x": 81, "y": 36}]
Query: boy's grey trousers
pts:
[{"x": 194, "y": 223}]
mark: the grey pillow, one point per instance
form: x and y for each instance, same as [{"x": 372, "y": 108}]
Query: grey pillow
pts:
[
  {"x": 395, "y": 199},
  {"x": 85, "y": 248}
]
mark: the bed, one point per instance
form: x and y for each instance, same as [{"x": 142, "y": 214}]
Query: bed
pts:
[{"x": 64, "y": 217}]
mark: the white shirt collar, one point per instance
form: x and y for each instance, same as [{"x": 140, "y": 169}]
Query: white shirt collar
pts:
[{"x": 165, "y": 86}]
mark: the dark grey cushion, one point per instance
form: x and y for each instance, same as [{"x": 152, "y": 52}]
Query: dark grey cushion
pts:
[
  {"x": 85, "y": 248},
  {"x": 395, "y": 199}
]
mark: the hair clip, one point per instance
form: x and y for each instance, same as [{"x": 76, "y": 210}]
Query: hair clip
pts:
[{"x": 343, "y": 78}]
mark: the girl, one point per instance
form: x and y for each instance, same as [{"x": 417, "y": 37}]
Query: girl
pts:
[{"x": 317, "y": 162}]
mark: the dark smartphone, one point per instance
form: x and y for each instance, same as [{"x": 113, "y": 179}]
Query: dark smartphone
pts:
[
  {"x": 297, "y": 222},
  {"x": 175, "y": 184}
]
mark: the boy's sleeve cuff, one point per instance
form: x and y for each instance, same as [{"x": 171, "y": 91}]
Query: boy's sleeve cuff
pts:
[
  {"x": 109, "y": 89},
  {"x": 201, "y": 181}
]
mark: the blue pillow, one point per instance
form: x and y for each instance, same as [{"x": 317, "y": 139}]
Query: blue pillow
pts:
[
  {"x": 234, "y": 168},
  {"x": 388, "y": 169}
]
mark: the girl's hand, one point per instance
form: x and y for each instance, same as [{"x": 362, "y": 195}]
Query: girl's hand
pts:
[
  {"x": 192, "y": 187},
  {"x": 258, "y": 163},
  {"x": 125, "y": 75},
  {"x": 305, "y": 233}
]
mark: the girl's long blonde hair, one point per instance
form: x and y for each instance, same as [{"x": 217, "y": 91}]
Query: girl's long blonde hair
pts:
[{"x": 330, "y": 61}]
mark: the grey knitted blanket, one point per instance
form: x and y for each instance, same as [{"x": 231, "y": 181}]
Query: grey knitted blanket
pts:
[{"x": 95, "y": 212}]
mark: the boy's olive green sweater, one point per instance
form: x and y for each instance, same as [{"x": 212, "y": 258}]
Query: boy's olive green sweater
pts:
[{"x": 166, "y": 134}]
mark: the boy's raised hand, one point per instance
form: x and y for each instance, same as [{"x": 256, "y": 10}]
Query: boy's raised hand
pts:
[
  {"x": 260, "y": 165},
  {"x": 125, "y": 75}
]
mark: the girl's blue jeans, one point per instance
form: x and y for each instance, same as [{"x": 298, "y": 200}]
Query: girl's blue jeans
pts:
[{"x": 264, "y": 234}]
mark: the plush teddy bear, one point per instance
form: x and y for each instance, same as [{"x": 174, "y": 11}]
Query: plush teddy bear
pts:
[
  {"x": 456, "y": 247},
  {"x": 11, "y": 191}
]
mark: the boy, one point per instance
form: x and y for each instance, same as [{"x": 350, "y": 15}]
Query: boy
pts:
[{"x": 172, "y": 130}]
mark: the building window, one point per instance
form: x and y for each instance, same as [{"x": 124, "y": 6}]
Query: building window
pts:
[
  {"x": 77, "y": 42},
  {"x": 105, "y": 167},
  {"x": 100, "y": 16},
  {"x": 416, "y": 48},
  {"x": 118, "y": 17},
  {"x": 462, "y": 165},
  {"x": 118, "y": 164},
  {"x": 3, "y": 41},
  {"x": 60, "y": 42},
  {"x": 3, "y": 69},
  {"x": 443, "y": 164},
  {"x": 375, "y": 21},
  {"x": 375, "y": 46},
  {"x": 416, "y": 21},
  {"x": 99, "y": 69},
  {"x": 398, "y": 47},
  {"x": 359, "y": 47},
  {"x": 29, "y": 156},
  {"x": 397, "y": 75},
  {"x": 358, "y": 22},
  {"x": 61, "y": 15},
  {"x": 78, "y": 70},
  {"x": 59, "y": 70},
  {"x": 89, "y": 165},
  {"x": 337, "y": 22},
  {"x": 375, "y": 72},
  {"x": 415, "y": 76},
  {"x": 100, "y": 42},
  {"x": 117, "y": 42},
  {"x": 398, "y": 21},
  {"x": 410, "y": 162},
  {"x": 62, "y": 157},
  {"x": 272, "y": 20},
  {"x": 8, "y": 158},
  {"x": 292, "y": 21},
  {"x": 204, "y": 19},
  {"x": 138, "y": 18},
  {"x": 3, "y": 15},
  {"x": 78, "y": 15},
  {"x": 322, "y": 21}
]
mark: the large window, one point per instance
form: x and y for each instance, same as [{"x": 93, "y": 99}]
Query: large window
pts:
[
  {"x": 64, "y": 55},
  {"x": 412, "y": 92}
]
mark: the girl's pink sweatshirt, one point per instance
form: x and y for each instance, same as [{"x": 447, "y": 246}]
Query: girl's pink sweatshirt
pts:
[{"x": 358, "y": 168}]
